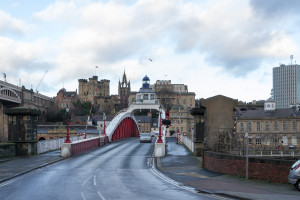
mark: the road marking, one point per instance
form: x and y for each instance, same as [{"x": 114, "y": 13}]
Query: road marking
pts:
[
  {"x": 100, "y": 195},
  {"x": 95, "y": 180},
  {"x": 180, "y": 185},
  {"x": 11, "y": 181},
  {"x": 82, "y": 195},
  {"x": 218, "y": 197},
  {"x": 83, "y": 184}
]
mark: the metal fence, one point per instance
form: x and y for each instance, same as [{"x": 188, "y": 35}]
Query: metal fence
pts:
[
  {"x": 269, "y": 153},
  {"x": 49, "y": 145},
  {"x": 187, "y": 142}
]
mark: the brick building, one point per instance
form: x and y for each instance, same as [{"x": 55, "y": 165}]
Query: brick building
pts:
[{"x": 65, "y": 99}]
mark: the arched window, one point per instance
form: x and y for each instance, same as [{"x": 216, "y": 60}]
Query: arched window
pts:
[{"x": 284, "y": 140}]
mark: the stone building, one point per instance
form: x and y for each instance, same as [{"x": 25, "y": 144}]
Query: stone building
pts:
[
  {"x": 124, "y": 92},
  {"x": 178, "y": 101},
  {"x": 269, "y": 129},
  {"x": 87, "y": 89},
  {"x": 144, "y": 123},
  {"x": 100, "y": 92},
  {"x": 219, "y": 123}
]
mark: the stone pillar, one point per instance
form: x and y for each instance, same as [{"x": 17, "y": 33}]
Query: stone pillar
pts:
[
  {"x": 3, "y": 125},
  {"x": 22, "y": 129},
  {"x": 199, "y": 133}
]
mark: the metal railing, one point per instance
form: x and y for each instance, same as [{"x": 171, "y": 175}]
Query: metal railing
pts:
[
  {"x": 49, "y": 145},
  {"x": 188, "y": 142}
]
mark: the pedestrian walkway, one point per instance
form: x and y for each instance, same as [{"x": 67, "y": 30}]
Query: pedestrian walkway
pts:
[
  {"x": 181, "y": 165},
  {"x": 16, "y": 166}
]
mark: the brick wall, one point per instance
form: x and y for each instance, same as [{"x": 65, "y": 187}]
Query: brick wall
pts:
[{"x": 266, "y": 169}]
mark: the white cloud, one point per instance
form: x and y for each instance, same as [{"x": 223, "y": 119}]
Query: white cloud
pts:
[
  {"x": 224, "y": 43},
  {"x": 10, "y": 25}
]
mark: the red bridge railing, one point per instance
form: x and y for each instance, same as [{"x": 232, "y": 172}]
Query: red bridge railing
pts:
[{"x": 127, "y": 128}]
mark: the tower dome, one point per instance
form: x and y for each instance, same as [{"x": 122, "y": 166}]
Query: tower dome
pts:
[{"x": 146, "y": 82}]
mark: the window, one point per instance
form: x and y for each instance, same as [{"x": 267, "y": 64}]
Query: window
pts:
[
  {"x": 294, "y": 140},
  {"x": 250, "y": 140},
  {"x": 284, "y": 126},
  {"x": 249, "y": 126},
  {"x": 275, "y": 126},
  {"x": 258, "y": 140},
  {"x": 181, "y": 121},
  {"x": 146, "y": 97},
  {"x": 267, "y": 127},
  {"x": 242, "y": 127},
  {"x": 267, "y": 141},
  {"x": 294, "y": 126},
  {"x": 257, "y": 126},
  {"x": 284, "y": 140}
]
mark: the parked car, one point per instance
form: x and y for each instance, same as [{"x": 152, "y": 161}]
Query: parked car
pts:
[
  {"x": 294, "y": 176},
  {"x": 292, "y": 146},
  {"x": 145, "y": 137}
]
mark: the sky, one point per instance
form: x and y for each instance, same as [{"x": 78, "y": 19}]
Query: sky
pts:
[{"x": 215, "y": 47}]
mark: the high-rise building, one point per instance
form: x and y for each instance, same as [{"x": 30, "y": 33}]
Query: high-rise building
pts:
[{"x": 286, "y": 85}]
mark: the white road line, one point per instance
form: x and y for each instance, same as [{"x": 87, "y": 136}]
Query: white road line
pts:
[
  {"x": 11, "y": 181},
  {"x": 82, "y": 195},
  {"x": 83, "y": 184},
  {"x": 218, "y": 197},
  {"x": 100, "y": 195},
  {"x": 180, "y": 185},
  {"x": 95, "y": 180}
]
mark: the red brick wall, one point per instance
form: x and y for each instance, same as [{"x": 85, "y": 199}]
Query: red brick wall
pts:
[{"x": 267, "y": 169}]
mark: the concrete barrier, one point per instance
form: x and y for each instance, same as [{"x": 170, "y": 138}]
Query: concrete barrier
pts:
[
  {"x": 71, "y": 149},
  {"x": 159, "y": 149}
]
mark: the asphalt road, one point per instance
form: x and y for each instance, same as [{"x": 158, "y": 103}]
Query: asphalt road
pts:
[{"x": 120, "y": 170}]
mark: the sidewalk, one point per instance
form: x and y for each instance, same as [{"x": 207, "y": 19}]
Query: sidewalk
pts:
[
  {"x": 180, "y": 165},
  {"x": 16, "y": 166}
]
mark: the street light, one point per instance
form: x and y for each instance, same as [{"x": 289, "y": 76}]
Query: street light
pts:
[
  {"x": 68, "y": 136},
  {"x": 159, "y": 135},
  {"x": 104, "y": 118}
]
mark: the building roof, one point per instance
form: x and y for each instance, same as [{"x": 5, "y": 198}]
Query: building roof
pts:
[
  {"x": 100, "y": 117},
  {"x": 278, "y": 113},
  {"x": 146, "y": 90},
  {"x": 143, "y": 119}
]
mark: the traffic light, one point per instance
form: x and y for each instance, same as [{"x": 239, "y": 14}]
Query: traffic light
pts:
[{"x": 166, "y": 122}]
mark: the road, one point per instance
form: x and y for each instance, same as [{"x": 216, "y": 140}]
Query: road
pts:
[{"x": 120, "y": 170}]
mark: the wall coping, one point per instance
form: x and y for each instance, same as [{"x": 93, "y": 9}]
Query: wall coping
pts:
[{"x": 251, "y": 159}]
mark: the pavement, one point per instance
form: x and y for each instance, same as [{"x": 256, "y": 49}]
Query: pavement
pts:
[
  {"x": 11, "y": 167},
  {"x": 181, "y": 165}
]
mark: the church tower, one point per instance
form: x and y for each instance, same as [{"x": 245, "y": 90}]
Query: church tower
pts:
[{"x": 124, "y": 91}]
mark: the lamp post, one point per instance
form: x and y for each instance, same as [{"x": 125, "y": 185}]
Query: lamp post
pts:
[
  {"x": 104, "y": 118},
  {"x": 159, "y": 134},
  {"x": 68, "y": 136}
]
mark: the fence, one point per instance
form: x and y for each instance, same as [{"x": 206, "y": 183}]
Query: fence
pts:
[
  {"x": 49, "y": 145},
  {"x": 187, "y": 142}
]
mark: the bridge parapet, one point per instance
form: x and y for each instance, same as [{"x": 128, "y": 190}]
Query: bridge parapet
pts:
[
  {"x": 8, "y": 94},
  {"x": 71, "y": 149}
]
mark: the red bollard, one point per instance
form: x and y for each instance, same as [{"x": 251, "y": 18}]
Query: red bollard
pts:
[{"x": 178, "y": 138}]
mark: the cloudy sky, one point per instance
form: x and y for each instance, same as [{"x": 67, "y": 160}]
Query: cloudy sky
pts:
[{"x": 226, "y": 47}]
